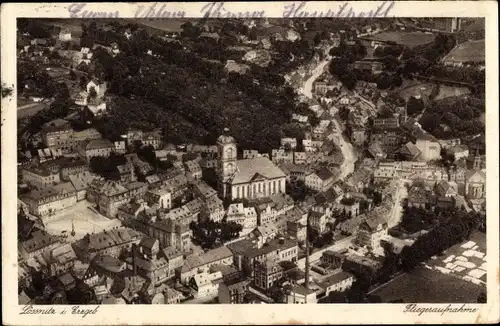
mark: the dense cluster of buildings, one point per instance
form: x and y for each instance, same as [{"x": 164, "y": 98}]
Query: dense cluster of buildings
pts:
[{"x": 144, "y": 249}]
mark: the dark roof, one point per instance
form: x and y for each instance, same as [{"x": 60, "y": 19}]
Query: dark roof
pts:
[
  {"x": 147, "y": 242},
  {"x": 324, "y": 174}
]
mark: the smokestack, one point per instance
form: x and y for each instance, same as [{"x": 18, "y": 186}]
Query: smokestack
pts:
[
  {"x": 306, "y": 284},
  {"x": 134, "y": 265}
]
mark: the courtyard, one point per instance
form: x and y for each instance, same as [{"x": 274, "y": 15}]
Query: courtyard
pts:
[{"x": 85, "y": 219}]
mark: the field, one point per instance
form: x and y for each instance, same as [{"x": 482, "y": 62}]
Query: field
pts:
[
  {"x": 168, "y": 25},
  {"x": 471, "y": 51},
  {"x": 451, "y": 91},
  {"x": 84, "y": 219},
  {"x": 29, "y": 109},
  {"x": 428, "y": 286},
  {"x": 74, "y": 25},
  {"x": 418, "y": 89},
  {"x": 409, "y": 39}
]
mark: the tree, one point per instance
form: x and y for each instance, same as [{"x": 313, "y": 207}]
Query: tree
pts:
[
  {"x": 414, "y": 105},
  {"x": 482, "y": 297},
  {"x": 384, "y": 81},
  {"x": 92, "y": 92}
]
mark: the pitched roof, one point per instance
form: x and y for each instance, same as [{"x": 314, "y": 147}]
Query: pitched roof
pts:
[
  {"x": 99, "y": 143},
  {"x": 324, "y": 174},
  {"x": 411, "y": 149},
  {"x": 248, "y": 168}
]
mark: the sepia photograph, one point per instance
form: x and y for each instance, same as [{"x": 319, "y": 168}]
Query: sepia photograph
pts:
[
  {"x": 299, "y": 161},
  {"x": 238, "y": 160}
]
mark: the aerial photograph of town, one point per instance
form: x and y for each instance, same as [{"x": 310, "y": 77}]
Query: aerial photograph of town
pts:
[{"x": 251, "y": 161}]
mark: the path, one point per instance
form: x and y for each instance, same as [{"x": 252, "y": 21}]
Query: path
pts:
[
  {"x": 346, "y": 148},
  {"x": 337, "y": 246}
]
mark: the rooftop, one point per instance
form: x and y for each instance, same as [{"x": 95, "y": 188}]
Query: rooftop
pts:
[
  {"x": 249, "y": 168},
  {"x": 99, "y": 144},
  {"x": 324, "y": 174}
]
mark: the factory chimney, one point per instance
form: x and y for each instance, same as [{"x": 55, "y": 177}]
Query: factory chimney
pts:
[{"x": 306, "y": 284}]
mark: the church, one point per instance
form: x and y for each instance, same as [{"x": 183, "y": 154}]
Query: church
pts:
[{"x": 249, "y": 178}]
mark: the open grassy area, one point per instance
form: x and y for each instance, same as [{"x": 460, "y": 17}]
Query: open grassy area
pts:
[
  {"x": 418, "y": 89},
  {"x": 428, "y": 286},
  {"x": 451, "y": 91},
  {"x": 471, "y": 51},
  {"x": 409, "y": 39}
]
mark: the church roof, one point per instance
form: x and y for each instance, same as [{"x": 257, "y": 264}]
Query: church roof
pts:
[{"x": 247, "y": 169}]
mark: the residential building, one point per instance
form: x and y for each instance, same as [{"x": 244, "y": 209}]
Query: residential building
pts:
[
  {"x": 372, "y": 230},
  {"x": 250, "y": 178},
  {"x": 446, "y": 189},
  {"x": 41, "y": 241},
  {"x": 459, "y": 151},
  {"x": 361, "y": 265},
  {"x": 299, "y": 294},
  {"x": 247, "y": 251},
  {"x": 349, "y": 205},
  {"x": 195, "y": 264},
  {"x": 40, "y": 176},
  {"x": 127, "y": 172},
  {"x": 65, "y": 35},
  {"x": 161, "y": 196},
  {"x": 420, "y": 195},
  {"x": 58, "y": 134},
  {"x": 332, "y": 258},
  {"x": 245, "y": 216},
  {"x": 267, "y": 273},
  {"x": 96, "y": 148},
  {"x": 296, "y": 230},
  {"x": 390, "y": 139},
  {"x": 171, "y": 233},
  {"x": 358, "y": 135},
  {"x": 429, "y": 147},
  {"x": 233, "y": 291},
  {"x": 193, "y": 170},
  {"x": 44, "y": 202},
  {"x": 206, "y": 284},
  {"x": 290, "y": 142},
  {"x": 109, "y": 242},
  {"x": 374, "y": 67},
  {"x": 99, "y": 88},
  {"x": 409, "y": 151},
  {"x": 213, "y": 210},
  {"x": 338, "y": 282},
  {"x": 317, "y": 221},
  {"x": 321, "y": 180},
  {"x": 109, "y": 195},
  {"x": 81, "y": 182}
]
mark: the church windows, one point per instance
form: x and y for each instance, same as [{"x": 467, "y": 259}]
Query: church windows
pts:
[
  {"x": 279, "y": 185},
  {"x": 260, "y": 189},
  {"x": 274, "y": 187},
  {"x": 237, "y": 192},
  {"x": 229, "y": 153},
  {"x": 229, "y": 168}
]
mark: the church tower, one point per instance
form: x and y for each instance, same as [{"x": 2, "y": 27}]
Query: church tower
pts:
[
  {"x": 226, "y": 165},
  {"x": 477, "y": 160}
]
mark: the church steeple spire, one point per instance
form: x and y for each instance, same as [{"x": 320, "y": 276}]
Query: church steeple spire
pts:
[{"x": 227, "y": 150}]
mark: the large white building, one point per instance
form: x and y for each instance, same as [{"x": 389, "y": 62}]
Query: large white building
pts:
[{"x": 249, "y": 178}]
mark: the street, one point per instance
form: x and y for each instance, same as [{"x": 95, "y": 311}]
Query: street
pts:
[
  {"x": 346, "y": 148},
  {"x": 337, "y": 246},
  {"x": 397, "y": 209}
]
